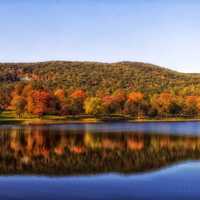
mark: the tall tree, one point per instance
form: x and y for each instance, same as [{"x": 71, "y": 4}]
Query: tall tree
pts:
[
  {"x": 93, "y": 106},
  {"x": 166, "y": 104},
  {"x": 39, "y": 102},
  {"x": 76, "y": 101},
  {"x": 20, "y": 106},
  {"x": 191, "y": 105},
  {"x": 133, "y": 104}
]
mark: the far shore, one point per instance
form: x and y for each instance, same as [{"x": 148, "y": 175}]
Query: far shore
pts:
[{"x": 8, "y": 117}]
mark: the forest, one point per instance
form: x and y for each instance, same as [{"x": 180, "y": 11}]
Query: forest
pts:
[{"x": 133, "y": 89}]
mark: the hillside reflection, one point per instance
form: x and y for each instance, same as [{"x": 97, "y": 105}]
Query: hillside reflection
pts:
[{"x": 43, "y": 151}]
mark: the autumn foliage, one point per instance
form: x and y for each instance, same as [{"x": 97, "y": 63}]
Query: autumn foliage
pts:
[{"x": 27, "y": 98}]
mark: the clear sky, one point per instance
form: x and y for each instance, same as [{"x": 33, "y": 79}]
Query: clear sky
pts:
[{"x": 163, "y": 32}]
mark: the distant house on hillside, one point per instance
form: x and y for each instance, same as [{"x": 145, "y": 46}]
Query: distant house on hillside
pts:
[{"x": 25, "y": 78}]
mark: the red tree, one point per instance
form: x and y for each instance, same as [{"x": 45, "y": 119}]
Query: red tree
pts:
[{"x": 40, "y": 102}]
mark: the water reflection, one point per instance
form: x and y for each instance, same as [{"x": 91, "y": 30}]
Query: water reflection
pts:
[{"x": 35, "y": 150}]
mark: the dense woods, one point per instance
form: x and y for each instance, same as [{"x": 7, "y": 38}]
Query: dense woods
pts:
[{"x": 73, "y": 88}]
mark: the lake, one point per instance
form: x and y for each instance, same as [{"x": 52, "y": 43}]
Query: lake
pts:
[{"x": 100, "y": 161}]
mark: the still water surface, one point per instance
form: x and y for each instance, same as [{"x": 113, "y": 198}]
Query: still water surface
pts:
[{"x": 100, "y": 161}]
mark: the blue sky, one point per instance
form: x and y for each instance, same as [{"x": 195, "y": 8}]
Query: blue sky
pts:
[{"x": 163, "y": 32}]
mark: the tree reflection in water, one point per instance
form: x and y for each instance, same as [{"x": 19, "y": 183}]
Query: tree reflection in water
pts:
[{"x": 33, "y": 150}]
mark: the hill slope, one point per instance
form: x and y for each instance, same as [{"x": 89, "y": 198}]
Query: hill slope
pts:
[{"x": 93, "y": 76}]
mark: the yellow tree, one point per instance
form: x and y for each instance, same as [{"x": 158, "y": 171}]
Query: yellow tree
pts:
[{"x": 93, "y": 106}]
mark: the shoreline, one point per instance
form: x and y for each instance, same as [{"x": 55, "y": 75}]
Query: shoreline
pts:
[
  {"x": 9, "y": 117},
  {"x": 90, "y": 121}
]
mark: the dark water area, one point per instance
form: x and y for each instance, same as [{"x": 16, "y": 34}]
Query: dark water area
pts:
[{"x": 100, "y": 161}]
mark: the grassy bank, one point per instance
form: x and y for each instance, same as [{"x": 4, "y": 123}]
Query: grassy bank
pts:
[{"x": 9, "y": 117}]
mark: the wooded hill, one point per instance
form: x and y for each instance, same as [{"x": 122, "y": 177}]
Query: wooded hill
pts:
[{"x": 100, "y": 77}]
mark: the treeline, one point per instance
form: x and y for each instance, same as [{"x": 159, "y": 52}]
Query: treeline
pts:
[{"x": 25, "y": 98}]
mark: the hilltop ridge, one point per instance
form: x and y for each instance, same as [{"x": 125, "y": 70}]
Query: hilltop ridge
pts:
[{"x": 95, "y": 76}]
